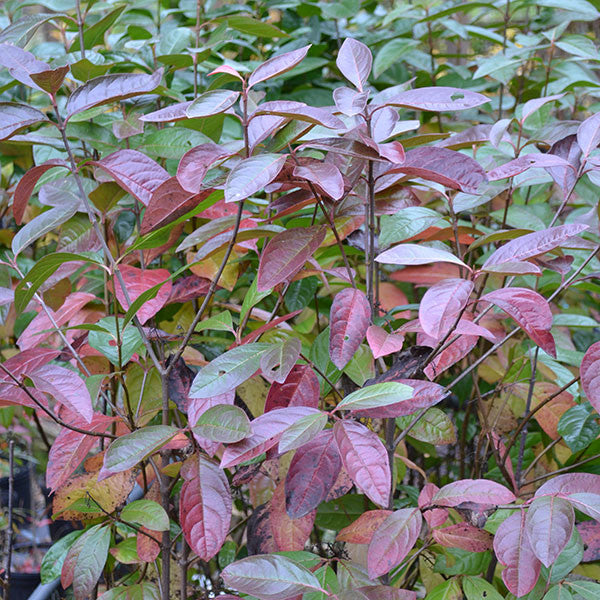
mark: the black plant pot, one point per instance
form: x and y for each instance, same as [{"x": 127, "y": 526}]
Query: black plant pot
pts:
[
  {"x": 22, "y": 503},
  {"x": 22, "y": 585}
]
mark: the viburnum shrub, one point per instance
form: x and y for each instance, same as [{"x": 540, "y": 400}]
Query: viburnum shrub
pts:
[{"x": 196, "y": 325}]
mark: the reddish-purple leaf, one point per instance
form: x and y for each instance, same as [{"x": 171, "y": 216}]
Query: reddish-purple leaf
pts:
[
  {"x": 437, "y": 99},
  {"x": 251, "y": 175},
  {"x": 459, "y": 348},
  {"x": 266, "y": 431},
  {"x": 513, "y": 550},
  {"x": 463, "y": 536},
  {"x": 528, "y": 161},
  {"x": 480, "y": 491},
  {"x": 278, "y": 65},
  {"x": 530, "y": 310},
  {"x": 383, "y": 122},
  {"x": 590, "y": 375},
  {"x": 532, "y": 106},
  {"x": 361, "y": 531},
  {"x": 436, "y": 516},
  {"x": 377, "y": 592},
  {"x": 196, "y": 162},
  {"x": 198, "y": 406},
  {"x": 290, "y": 534},
  {"x": 355, "y": 60},
  {"x": 15, "y": 116},
  {"x": 175, "y": 112},
  {"x": 365, "y": 459},
  {"x": 300, "y": 388},
  {"x": 325, "y": 175},
  {"x": 66, "y": 387},
  {"x": 27, "y": 183},
  {"x": 134, "y": 172},
  {"x": 549, "y": 524},
  {"x": 441, "y": 305},
  {"x": 513, "y": 268},
  {"x": 348, "y": 321},
  {"x": 570, "y": 483},
  {"x": 204, "y": 506},
  {"x": 211, "y": 103},
  {"x": 299, "y": 111},
  {"x": 448, "y": 167},
  {"x": 350, "y": 102},
  {"x": 110, "y": 88},
  {"x": 414, "y": 254},
  {"x": 383, "y": 343},
  {"x": 588, "y": 134},
  {"x": 27, "y": 361},
  {"x": 137, "y": 281},
  {"x": 393, "y": 540},
  {"x": 286, "y": 253},
  {"x": 393, "y": 151},
  {"x": 569, "y": 149},
  {"x": 189, "y": 288},
  {"x": 534, "y": 244},
  {"x": 312, "y": 473},
  {"x": 262, "y": 126}
]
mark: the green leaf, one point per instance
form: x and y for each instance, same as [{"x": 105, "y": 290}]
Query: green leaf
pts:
[
  {"x": 175, "y": 41},
  {"x": 128, "y": 450},
  {"x": 172, "y": 142},
  {"x": 19, "y": 32},
  {"x": 567, "y": 560},
  {"x": 138, "y": 591},
  {"x": 224, "y": 423},
  {"x": 339, "y": 513},
  {"x": 579, "y": 426},
  {"x": 91, "y": 560},
  {"x": 449, "y": 590},
  {"x": 251, "y": 298},
  {"x": 300, "y": 293},
  {"x": 361, "y": 366},
  {"x": 587, "y": 589},
  {"x": 406, "y": 223},
  {"x": 255, "y": 27},
  {"x": 220, "y": 322},
  {"x": 391, "y": 53},
  {"x": 319, "y": 354},
  {"x": 55, "y": 557},
  {"x": 106, "y": 341},
  {"x": 558, "y": 592},
  {"x": 376, "y": 396},
  {"x": 434, "y": 427},
  {"x": 579, "y": 45},
  {"x": 95, "y": 34},
  {"x": 476, "y": 588},
  {"x": 302, "y": 431},
  {"x": 147, "y": 513}
]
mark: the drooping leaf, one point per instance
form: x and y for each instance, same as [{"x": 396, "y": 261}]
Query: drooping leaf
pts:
[
  {"x": 146, "y": 513},
  {"x": 223, "y": 423},
  {"x": 365, "y": 459},
  {"x": 414, "y": 254},
  {"x": 278, "y": 65},
  {"x": 349, "y": 320},
  {"x": 325, "y": 175},
  {"x": 54, "y": 558},
  {"x": 590, "y": 375},
  {"x": 393, "y": 540},
  {"x": 212, "y": 102},
  {"x": 91, "y": 558},
  {"x": 355, "y": 60},
  {"x": 286, "y": 253},
  {"x": 434, "y": 427},
  {"x": 289, "y": 534},
  {"x": 480, "y": 491},
  {"x": 205, "y": 506},
  {"x": 251, "y": 175},
  {"x": 588, "y": 134}
]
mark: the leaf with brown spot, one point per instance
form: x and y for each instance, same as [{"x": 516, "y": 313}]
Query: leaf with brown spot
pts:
[{"x": 361, "y": 531}]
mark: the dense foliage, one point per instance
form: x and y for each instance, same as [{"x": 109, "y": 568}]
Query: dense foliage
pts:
[{"x": 319, "y": 280}]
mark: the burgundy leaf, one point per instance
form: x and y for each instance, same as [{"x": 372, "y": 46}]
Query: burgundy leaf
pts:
[
  {"x": 436, "y": 516},
  {"x": 326, "y": 175},
  {"x": 590, "y": 375},
  {"x": 343, "y": 146},
  {"x": 348, "y": 320},
  {"x": 458, "y": 349},
  {"x": 134, "y": 172},
  {"x": 286, "y": 253},
  {"x": 278, "y": 65},
  {"x": 463, "y": 536},
  {"x": 175, "y": 112},
  {"x": 266, "y": 431},
  {"x": 179, "y": 381},
  {"x": 530, "y": 310},
  {"x": 262, "y": 126},
  {"x": 196, "y": 162},
  {"x": 361, "y": 531},
  {"x": 528, "y": 161},
  {"x": 312, "y": 473},
  {"x": 189, "y": 288},
  {"x": 569, "y": 149},
  {"x": 365, "y": 459},
  {"x": 588, "y": 134},
  {"x": 259, "y": 532},
  {"x": 300, "y": 388},
  {"x": 350, "y": 102},
  {"x": 251, "y": 175},
  {"x": 513, "y": 550},
  {"x": 204, "y": 506},
  {"x": 414, "y": 254},
  {"x": 441, "y": 305},
  {"x": 437, "y": 99},
  {"x": 27, "y": 183},
  {"x": 480, "y": 491},
  {"x": 290, "y": 534},
  {"x": 383, "y": 343},
  {"x": 393, "y": 540},
  {"x": 355, "y": 60},
  {"x": 549, "y": 524},
  {"x": 570, "y": 483},
  {"x": 448, "y": 167},
  {"x": 15, "y": 116},
  {"x": 299, "y": 111},
  {"x": 534, "y": 244},
  {"x": 110, "y": 88},
  {"x": 24, "y": 362}
]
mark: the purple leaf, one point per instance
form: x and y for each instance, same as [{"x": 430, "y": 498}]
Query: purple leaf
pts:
[
  {"x": 393, "y": 151},
  {"x": 251, "y": 175},
  {"x": 569, "y": 149},
  {"x": 382, "y": 123},
  {"x": 278, "y": 65},
  {"x": 355, "y": 60},
  {"x": 532, "y": 106},
  {"x": 262, "y": 126},
  {"x": 549, "y": 524},
  {"x": 527, "y": 161},
  {"x": 311, "y": 475},
  {"x": 212, "y": 102},
  {"x": 110, "y": 88},
  {"x": 393, "y": 540},
  {"x": 286, "y": 253},
  {"x": 530, "y": 310},
  {"x": 134, "y": 172},
  {"x": 436, "y": 99},
  {"x": 299, "y": 111},
  {"x": 590, "y": 375},
  {"x": 383, "y": 343},
  {"x": 480, "y": 491},
  {"x": 301, "y": 388},
  {"x": 350, "y": 102},
  {"x": 365, "y": 459},
  {"x": 15, "y": 116},
  {"x": 195, "y": 163},
  {"x": 588, "y": 134},
  {"x": 175, "y": 112},
  {"x": 326, "y": 175},
  {"x": 441, "y": 305},
  {"x": 570, "y": 483},
  {"x": 348, "y": 320},
  {"x": 413, "y": 254}
]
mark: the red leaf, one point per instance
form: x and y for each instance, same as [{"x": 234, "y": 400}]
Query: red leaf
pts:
[
  {"x": 312, "y": 473},
  {"x": 383, "y": 343},
  {"x": 289, "y": 533},
  {"x": 439, "y": 98},
  {"x": 348, "y": 321},
  {"x": 530, "y": 310},
  {"x": 534, "y": 244},
  {"x": 441, "y": 305},
  {"x": 266, "y": 431},
  {"x": 277, "y": 65},
  {"x": 361, "y": 531},
  {"x": 27, "y": 361},
  {"x": 436, "y": 516},
  {"x": 393, "y": 540},
  {"x": 300, "y": 388},
  {"x": 448, "y": 167},
  {"x": 286, "y": 253},
  {"x": 15, "y": 116},
  {"x": 147, "y": 549},
  {"x": 27, "y": 69},
  {"x": 325, "y": 175},
  {"x": 464, "y": 536},
  {"x": 188, "y": 288},
  {"x": 514, "y": 551},
  {"x": 138, "y": 281},
  {"x": 204, "y": 506},
  {"x": 480, "y": 491},
  {"x": 365, "y": 458},
  {"x": 355, "y": 60},
  {"x": 27, "y": 183},
  {"x": 457, "y": 350},
  {"x": 528, "y": 161},
  {"x": 394, "y": 152},
  {"x": 590, "y": 375},
  {"x": 134, "y": 172},
  {"x": 109, "y": 88},
  {"x": 195, "y": 163}
]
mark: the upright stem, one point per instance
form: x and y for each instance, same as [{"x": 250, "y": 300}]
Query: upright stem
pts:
[
  {"x": 80, "y": 28},
  {"x": 527, "y": 409},
  {"x": 9, "y": 531},
  {"x": 370, "y": 240}
]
